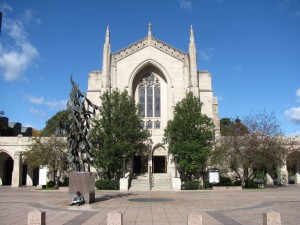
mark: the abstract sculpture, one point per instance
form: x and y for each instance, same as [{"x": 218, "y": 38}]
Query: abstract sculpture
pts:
[{"x": 81, "y": 111}]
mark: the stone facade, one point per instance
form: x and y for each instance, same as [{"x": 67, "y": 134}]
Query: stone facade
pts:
[{"x": 149, "y": 63}]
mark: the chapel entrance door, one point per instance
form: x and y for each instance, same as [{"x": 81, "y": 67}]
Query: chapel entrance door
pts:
[{"x": 159, "y": 164}]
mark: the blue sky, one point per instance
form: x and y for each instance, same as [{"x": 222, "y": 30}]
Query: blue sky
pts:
[{"x": 251, "y": 47}]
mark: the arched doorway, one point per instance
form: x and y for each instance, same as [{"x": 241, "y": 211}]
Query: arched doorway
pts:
[
  {"x": 159, "y": 160},
  {"x": 6, "y": 168},
  {"x": 293, "y": 167}
]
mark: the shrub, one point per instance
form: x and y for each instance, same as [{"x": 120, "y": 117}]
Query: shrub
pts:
[
  {"x": 191, "y": 185},
  {"x": 65, "y": 183},
  {"x": 225, "y": 181},
  {"x": 50, "y": 183},
  {"x": 107, "y": 184}
]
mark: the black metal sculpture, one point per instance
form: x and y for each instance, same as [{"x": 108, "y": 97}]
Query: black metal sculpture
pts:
[{"x": 81, "y": 112}]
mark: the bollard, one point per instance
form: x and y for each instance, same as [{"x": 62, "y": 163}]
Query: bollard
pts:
[
  {"x": 271, "y": 218},
  {"x": 194, "y": 219},
  {"x": 115, "y": 218},
  {"x": 36, "y": 217}
]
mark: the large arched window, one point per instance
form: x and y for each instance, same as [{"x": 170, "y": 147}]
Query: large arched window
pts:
[{"x": 149, "y": 99}]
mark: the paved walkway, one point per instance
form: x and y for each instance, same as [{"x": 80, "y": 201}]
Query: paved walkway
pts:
[{"x": 159, "y": 208}]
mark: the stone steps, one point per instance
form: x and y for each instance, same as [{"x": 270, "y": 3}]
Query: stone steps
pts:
[{"x": 162, "y": 182}]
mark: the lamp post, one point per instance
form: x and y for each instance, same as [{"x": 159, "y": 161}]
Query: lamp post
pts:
[
  {"x": 124, "y": 157},
  {"x": 175, "y": 162}
]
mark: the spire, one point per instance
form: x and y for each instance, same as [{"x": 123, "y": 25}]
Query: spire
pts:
[
  {"x": 149, "y": 29},
  {"x": 193, "y": 61},
  {"x": 107, "y": 35},
  {"x": 106, "y": 59},
  {"x": 192, "y": 39}
]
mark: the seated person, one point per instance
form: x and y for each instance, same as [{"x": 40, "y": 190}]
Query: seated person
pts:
[{"x": 78, "y": 199}]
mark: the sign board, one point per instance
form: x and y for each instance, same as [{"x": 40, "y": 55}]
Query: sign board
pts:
[
  {"x": 43, "y": 176},
  {"x": 214, "y": 176}
]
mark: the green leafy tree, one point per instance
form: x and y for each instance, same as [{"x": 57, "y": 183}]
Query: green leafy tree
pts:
[
  {"x": 116, "y": 133},
  {"x": 230, "y": 127},
  {"x": 50, "y": 152},
  {"x": 59, "y": 120},
  {"x": 190, "y": 135}
]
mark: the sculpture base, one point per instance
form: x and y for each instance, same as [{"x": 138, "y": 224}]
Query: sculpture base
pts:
[
  {"x": 124, "y": 184},
  {"x": 176, "y": 184},
  {"x": 83, "y": 182}
]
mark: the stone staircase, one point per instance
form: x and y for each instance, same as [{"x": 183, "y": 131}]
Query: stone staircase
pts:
[{"x": 162, "y": 182}]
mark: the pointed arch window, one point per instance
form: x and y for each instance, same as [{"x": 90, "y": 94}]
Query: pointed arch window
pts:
[{"x": 149, "y": 97}]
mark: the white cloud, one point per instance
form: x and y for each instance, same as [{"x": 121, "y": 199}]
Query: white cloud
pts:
[
  {"x": 295, "y": 134},
  {"x": 4, "y": 7},
  {"x": 185, "y": 4},
  {"x": 60, "y": 104},
  {"x": 286, "y": 3},
  {"x": 293, "y": 114},
  {"x": 298, "y": 95},
  {"x": 35, "y": 100},
  {"x": 37, "y": 112},
  {"x": 17, "y": 56}
]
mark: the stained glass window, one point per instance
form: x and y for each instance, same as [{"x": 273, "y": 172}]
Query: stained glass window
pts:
[
  {"x": 149, "y": 100},
  {"x": 157, "y": 124},
  {"x": 142, "y": 124},
  {"x": 149, "y": 124},
  {"x": 142, "y": 99},
  {"x": 157, "y": 101}
]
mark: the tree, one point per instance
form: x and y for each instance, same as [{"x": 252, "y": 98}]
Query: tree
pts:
[
  {"x": 59, "y": 120},
  {"x": 36, "y": 133},
  {"x": 50, "y": 152},
  {"x": 116, "y": 133},
  {"x": 190, "y": 135},
  {"x": 230, "y": 127},
  {"x": 252, "y": 147}
]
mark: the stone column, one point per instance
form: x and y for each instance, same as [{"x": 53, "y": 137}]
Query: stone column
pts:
[
  {"x": 283, "y": 175},
  {"x": 17, "y": 172},
  {"x": 297, "y": 174},
  {"x": 1, "y": 172},
  {"x": 29, "y": 177}
]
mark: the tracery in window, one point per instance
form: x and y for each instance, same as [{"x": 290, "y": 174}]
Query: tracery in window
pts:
[{"x": 149, "y": 96}]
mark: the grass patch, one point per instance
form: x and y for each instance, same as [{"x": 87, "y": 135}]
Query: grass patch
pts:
[{"x": 47, "y": 189}]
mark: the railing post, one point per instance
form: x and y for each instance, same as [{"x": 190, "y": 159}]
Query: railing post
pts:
[{"x": 151, "y": 179}]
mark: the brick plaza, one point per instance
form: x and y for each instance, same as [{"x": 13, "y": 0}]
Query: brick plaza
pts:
[{"x": 159, "y": 208}]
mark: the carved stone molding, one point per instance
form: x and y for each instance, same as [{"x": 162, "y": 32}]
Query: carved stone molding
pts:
[
  {"x": 144, "y": 43},
  {"x": 168, "y": 49},
  {"x": 130, "y": 49}
]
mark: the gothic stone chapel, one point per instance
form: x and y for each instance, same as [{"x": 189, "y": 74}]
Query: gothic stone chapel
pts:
[{"x": 157, "y": 75}]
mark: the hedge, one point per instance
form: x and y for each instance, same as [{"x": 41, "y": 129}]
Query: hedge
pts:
[{"x": 107, "y": 184}]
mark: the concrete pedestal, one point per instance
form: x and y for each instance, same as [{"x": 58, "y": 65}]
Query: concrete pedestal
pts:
[
  {"x": 176, "y": 184},
  {"x": 83, "y": 182},
  {"x": 124, "y": 184}
]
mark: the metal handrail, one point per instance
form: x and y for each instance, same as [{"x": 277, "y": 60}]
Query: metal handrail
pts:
[{"x": 151, "y": 179}]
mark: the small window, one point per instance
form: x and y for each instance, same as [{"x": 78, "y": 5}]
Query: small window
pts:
[
  {"x": 149, "y": 124},
  {"x": 157, "y": 124}
]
